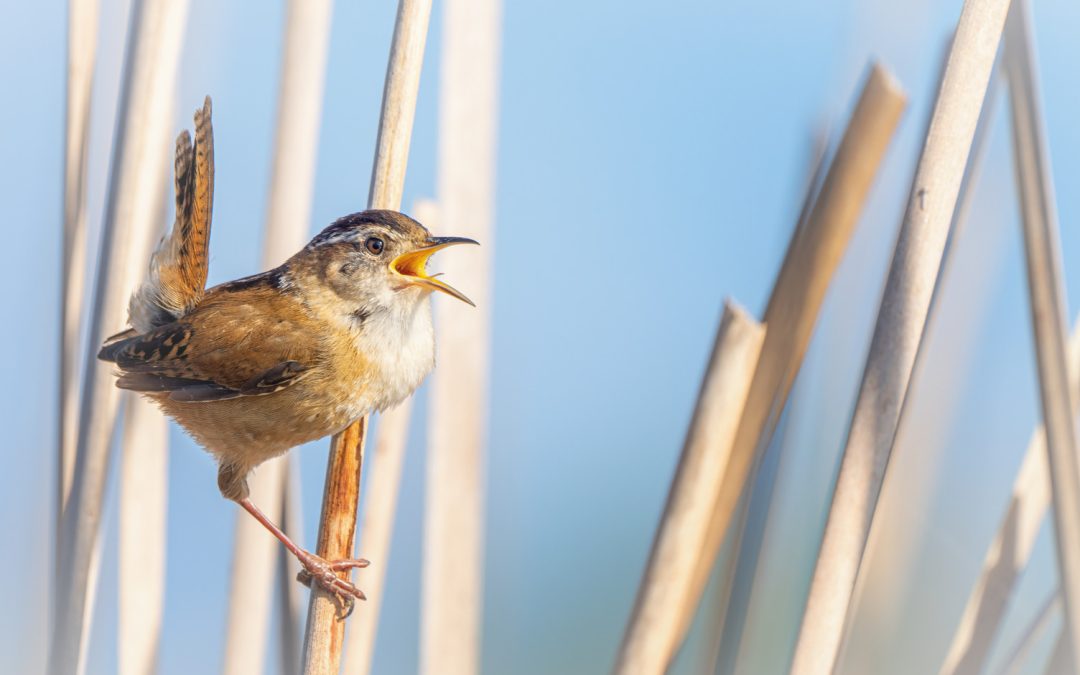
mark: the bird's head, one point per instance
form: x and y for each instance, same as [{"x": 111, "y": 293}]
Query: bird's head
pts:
[{"x": 376, "y": 259}]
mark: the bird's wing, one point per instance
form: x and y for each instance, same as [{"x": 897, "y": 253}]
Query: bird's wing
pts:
[
  {"x": 178, "y": 268},
  {"x": 223, "y": 349}
]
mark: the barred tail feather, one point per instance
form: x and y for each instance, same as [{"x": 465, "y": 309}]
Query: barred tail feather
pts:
[{"x": 179, "y": 266}]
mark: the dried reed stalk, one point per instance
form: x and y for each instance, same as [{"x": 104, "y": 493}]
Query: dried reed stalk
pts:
[
  {"x": 812, "y": 257},
  {"x": 901, "y": 319},
  {"x": 143, "y": 505},
  {"x": 325, "y": 631},
  {"x": 666, "y": 599},
  {"x": 82, "y": 46},
  {"x": 965, "y": 199},
  {"x": 452, "y": 593},
  {"x": 377, "y": 524},
  {"x": 290, "y": 195},
  {"x": 724, "y": 601},
  {"x": 1043, "y": 253},
  {"x": 747, "y": 531},
  {"x": 144, "y": 473},
  {"x": 337, "y": 530},
  {"x": 135, "y": 193}
]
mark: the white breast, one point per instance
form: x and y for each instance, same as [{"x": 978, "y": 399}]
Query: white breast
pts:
[{"x": 402, "y": 343}]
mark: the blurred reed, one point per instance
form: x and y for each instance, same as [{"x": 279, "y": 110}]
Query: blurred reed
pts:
[
  {"x": 724, "y": 599},
  {"x": 81, "y": 57},
  {"x": 143, "y": 520},
  {"x": 813, "y": 255},
  {"x": 288, "y": 222},
  {"x": 135, "y": 193},
  {"x": 324, "y": 636},
  {"x": 1011, "y": 549},
  {"x": 901, "y": 320},
  {"x": 963, "y": 296},
  {"x": 803, "y": 279},
  {"x": 815, "y": 251},
  {"x": 666, "y": 599},
  {"x": 291, "y": 627},
  {"x": 377, "y": 527},
  {"x": 1042, "y": 245},
  {"x": 452, "y": 578},
  {"x": 143, "y": 486}
]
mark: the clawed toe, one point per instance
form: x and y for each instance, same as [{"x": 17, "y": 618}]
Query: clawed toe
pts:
[{"x": 323, "y": 572}]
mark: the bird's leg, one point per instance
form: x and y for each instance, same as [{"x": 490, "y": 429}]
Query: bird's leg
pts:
[{"x": 315, "y": 567}]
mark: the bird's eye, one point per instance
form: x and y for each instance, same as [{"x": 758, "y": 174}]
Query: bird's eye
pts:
[{"x": 374, "y": 245}]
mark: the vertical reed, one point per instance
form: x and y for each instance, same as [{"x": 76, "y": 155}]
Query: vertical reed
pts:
[
  {"x": 82, "y": 46},
  {"x": 325, "y": 634},
  {"x": 1042, "y": 246},
  {"x": 452, "y": 598},
  {"x": 135, "y": 191},
  {"x": 291, "y": 627},
  {"x": 143, "y": 500},
  {"x": 143, "y": 520},
  {"x": 377, "y": 529},
  {"x": 325, "y": 630},
  {"x": 900, "y": 323},
  {"x": 288, "y": 218}
]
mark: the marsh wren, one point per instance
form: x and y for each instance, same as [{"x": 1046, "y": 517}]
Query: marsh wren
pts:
[{"x": 256, "y": 366}]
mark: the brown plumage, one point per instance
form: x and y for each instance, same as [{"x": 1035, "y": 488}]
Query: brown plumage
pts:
[
  {"x": 179, "y": 266},
  {"x": 254, "y": 367}
]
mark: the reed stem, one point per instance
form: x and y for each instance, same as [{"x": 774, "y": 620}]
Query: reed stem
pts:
[
  {"x": 1045, "y": 280},
  {"x": 325, "y": 630},
  {"x": 813, "y": 255},
  {"x": 452, "y": 592},
  {"x": 136, "y": 189},
  {"x": 666, "y": 599},
  {"x": 288, "y": 223},
  {"x": 897, "y": 334},
  {"x": 82, "y": 47}
]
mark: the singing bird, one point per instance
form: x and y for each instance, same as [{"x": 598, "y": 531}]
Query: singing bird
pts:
[{"x": 256, "y": 366}]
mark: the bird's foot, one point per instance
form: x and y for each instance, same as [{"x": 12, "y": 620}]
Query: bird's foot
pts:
[{"x": 324, "y": 573}]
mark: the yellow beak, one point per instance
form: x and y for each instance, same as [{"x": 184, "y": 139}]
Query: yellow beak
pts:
[{"x": 410, "y": 266}]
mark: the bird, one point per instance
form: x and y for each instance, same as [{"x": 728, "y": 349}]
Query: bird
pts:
[{"x": 254, "y": 367}]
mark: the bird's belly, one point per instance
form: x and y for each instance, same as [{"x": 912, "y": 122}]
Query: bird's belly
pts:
[{"x": 250, "y": 430}]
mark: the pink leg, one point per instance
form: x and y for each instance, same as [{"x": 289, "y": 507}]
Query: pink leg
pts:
[{"x": 321, "y": 570}]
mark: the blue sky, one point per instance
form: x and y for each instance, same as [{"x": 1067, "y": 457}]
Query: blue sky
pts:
[{"x": 670, "y": 141}]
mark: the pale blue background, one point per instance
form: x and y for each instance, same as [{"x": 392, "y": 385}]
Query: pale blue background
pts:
[{"x": 651, "y": 162}]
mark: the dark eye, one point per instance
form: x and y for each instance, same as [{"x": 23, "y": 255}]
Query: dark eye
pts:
[{"x": 374, "y": 245}]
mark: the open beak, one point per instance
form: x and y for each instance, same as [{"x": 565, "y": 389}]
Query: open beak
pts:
[{"x": 410, "y": 266}]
